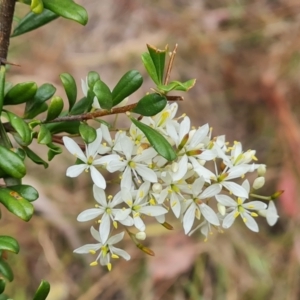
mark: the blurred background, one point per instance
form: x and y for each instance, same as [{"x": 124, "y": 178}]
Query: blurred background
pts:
[{"x": 245, "y": 56}]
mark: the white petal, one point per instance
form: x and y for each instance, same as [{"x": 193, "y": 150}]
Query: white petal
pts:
[
  {"x": 121, "y": 253},
  {"x": 257, "y": 205},
  {"x": 104, "y": 228},
  {"x": 209, "y": 214},
  {"x": 73, "y": 148},
  {"x": 250, "y": 222},
  {"x": 97, "y": 178},
  {"x": 210, "y": 191},
  {"x": 139, "y": 224},
  {"x": 106, "y": 159},
  {"x": 226, "y": 200},
  {"x": 87, "y": 248},
  {"x": 228, "y": 220},
  {"x": 122, "y": 214},
  {"x": 146, "y": 156},
  {"x": 182, "y": 169},
  {"x": 199, "y": 135},
  {"x": 153, "y": 211},
  {"x": 127, "y": 146},
  {"x": 189, "y": 218},
  {"x": 126, "y": 181},
  {"x": 146, "y": 173},
  {"x": 197, "y": 186},
  {"x": 93, "y": 147},
  {"x": 116, "y": 238},
  {"x": 99, "y": 195},
  {"x": 89, "y": 214},
  {"x": 272, "y": 215},
  {"x": 84, "y": 87},
  {"x": 236, "y": 189},
  {"x": 75, "y": 170},
  {"x": 116, "y": 165},
  {"x": 95, "y": 234},
  {"x": 175, "y": 205}
]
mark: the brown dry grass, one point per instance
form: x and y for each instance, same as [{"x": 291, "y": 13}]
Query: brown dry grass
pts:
[{"x": 246, "y": 58}]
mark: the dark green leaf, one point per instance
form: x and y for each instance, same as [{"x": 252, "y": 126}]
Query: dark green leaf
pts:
[
  {"x": 92, "y": 78},
  {"x": 70, "y": 88},
  {"x": 11, "y": 163},
  {"x": 26, "y": 191},
  {"x": 44, "y": 136},
  {"x": 8, "y": 86},
  {"x": 128, "y": 84},
  {"x": 158, "y": 57},
  {"x": 35, "y": 158},
  {"x": 149, "y": 65},
  {"x": 82, "y": 106},
  {"x": 16, "y": 204},
  {"x": 32, "y": 21},
  {"x": 68, "y": 127},
  {"x": 87, "y": 133},
  {"x": 55, "y": 108},
  {"x": 36, "y": 110},
  {"x": 2, "y": 285},
  {"x": 42, "y": 291},
  {"x": 67, "y": 9},
  {"x": 103, "y": 95},
  {"x": 9, "y": 244},
  {"x": 150, "y": 105},
  {"x": 6, "y": 270},
  {"x": 21, "y": 128},
  {"x": 20, "y": 93},
  {"x": 53, "y": 151},
  {"x": 158, "y": 142}
]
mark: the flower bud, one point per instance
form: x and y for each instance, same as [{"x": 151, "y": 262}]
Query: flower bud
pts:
[
  {"x": 221, "y": 209},
  {"x": 261, "y": 171},
  {"x": 259, "y": 182},
  {"x": 141, "y": 235},
  {"x": 156, "y": 187}
]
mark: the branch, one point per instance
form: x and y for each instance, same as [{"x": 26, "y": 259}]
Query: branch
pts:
[{"x": 7, "y": 8}]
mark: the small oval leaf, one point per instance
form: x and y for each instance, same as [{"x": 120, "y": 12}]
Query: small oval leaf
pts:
[
  {"x": 6, "y": 270},
  {"x": 103, "y": 95},
  {"x": 149, "y": 66},
  {"x": 11, "y": 163},
  {"x": 158, "y": 57},
  {"x": 2, "y": 285},
  {"x": 26, "y": 191},
  {"x": 70, "y": 87},
  {"x": 128, "y": 84},
  {"x": 158, "y": 142},
  {"x": 20, "y": 93},
  {"x": 16, "y": 204},
  {"x": 9, "y": 244},
  {"x": 33, "y": 21},
  {"x": 55, "y": 108},
  {"x": 150, "y": 105},
  {"x": 42, "y": 291},
  {"x": 87, "y": 133},
  {"x": 44, "y": 135},
  {"x": 35, "y": 158}
]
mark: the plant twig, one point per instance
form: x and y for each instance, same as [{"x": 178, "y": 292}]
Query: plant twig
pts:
[{"x": 170, "y": 65}]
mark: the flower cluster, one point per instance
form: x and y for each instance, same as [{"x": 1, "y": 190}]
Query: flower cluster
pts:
[{"x": 205, "y": 187}]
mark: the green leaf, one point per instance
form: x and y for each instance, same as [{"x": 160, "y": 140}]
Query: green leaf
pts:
[
  {"x": 26, "y": 191},
  {"x": 70, "y": 87},
  {"x": 2, "y": 86},
  {"x": 16, "y": 204},
  {"x": 67, "y": 9},
  {"x": 21, "y": 128},
  {"x": 6, "y": 270},
  {"x": 150, "y": 105},
  {"x": 127, "y": 85},
  {"x": 53, "y": 151},
  {"x": 20, "y": 93},
  {"x": 103, "y": 95},
  {"x": 7, "y": 88},
  {"x": 55, "y": 108},
  {"x": 158, "y": 57},
  {"x": 44, "y": 136},
  {"x": 33, "y": 21},
  {"x": 150, "y": 68},
  {"x": 92, "y": 78},
  {"x": 178, "y": 86},
  {"x": 68, "y": 127},
  {"x": 9, "y": 244},
  {"x": 37, "y": 105},
  {"x": 42, "y": 291},
  {"x": 82, "y": 106},
  {"x": 87, "y": 133},
  {"x": 11, "y": 163},
  {"x": 158, "y": 142},
  {"x": 35, "y": 158},
  {"x": 2, "y": 286},
  {"x": 37, "y": 6}
]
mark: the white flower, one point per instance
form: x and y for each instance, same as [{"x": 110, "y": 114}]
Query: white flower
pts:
[
  {"x": 136, "y": 164},
  {"x": 106, "y": 209},
  {"x": 138, "y": 204},
  {"x": 88, "y": 159},
  {"x": 242, "y": 208},
  {"x": 107, "y": 250},
  {"x": 197, "y": 207}
]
